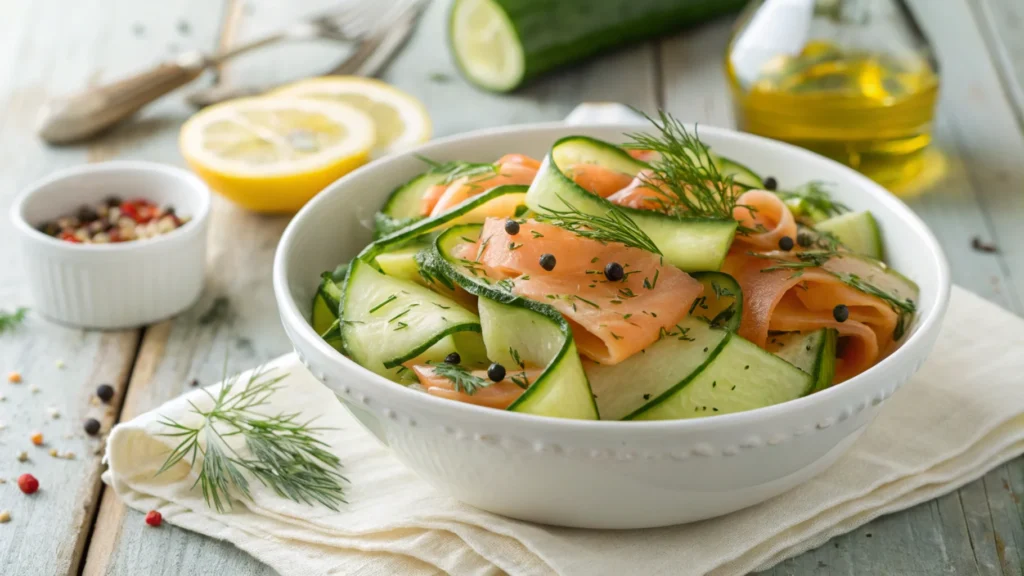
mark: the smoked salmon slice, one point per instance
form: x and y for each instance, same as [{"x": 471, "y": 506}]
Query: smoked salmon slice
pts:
[
  {"x": 498, "y": 395},
  {"x": 611, "y": 320},
  {"x": 767, "y": 216},
  {"x": 803, "y": 299},
  {"x": 597, "y": 179},
  {"x": 509, "y": 169}
]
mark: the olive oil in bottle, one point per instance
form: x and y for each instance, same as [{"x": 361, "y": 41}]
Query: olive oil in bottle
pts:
[{"x": 853, "y": 80}]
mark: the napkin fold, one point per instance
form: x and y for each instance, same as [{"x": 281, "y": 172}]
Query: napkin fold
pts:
[{"x": 960, "y": 416}]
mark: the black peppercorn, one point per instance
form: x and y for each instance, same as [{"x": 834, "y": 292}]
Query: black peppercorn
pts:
[
  {"x": 105, "y": 392},
  {"x": 496, "y": 372},
  {"x": 511, "y": 227},
  {"x": 92, "y": 426},
  {"x": 785, "y": 243},
  {"x": 770, "y": 183},
  {"x": 453, "y": 358},
  {"x": 547, "y": 262},
  {"x": 614, "y": 272},
  {"x": 841, "y": 313}
]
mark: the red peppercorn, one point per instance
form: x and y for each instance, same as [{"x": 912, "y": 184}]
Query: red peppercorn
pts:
[
  {"x": 28, "y": 483},
  {"x": 69, "y": 237},
  {"x": 154, "y": 519}
]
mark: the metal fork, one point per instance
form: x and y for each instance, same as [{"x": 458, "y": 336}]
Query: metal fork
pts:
[
  {"x": 370, "y": 56},
  {"x": 78, "y": 116}
]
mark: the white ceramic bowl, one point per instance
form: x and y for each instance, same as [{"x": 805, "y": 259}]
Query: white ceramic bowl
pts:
[
  {"x": 120, "y": 285},
  {"x": 602, "y": 474}
]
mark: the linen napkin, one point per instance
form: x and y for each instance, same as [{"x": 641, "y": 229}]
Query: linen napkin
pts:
[{"x": 960, "y": 416}]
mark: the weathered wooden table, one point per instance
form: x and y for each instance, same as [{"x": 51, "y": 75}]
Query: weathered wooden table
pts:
[{"x": 48, "y": 47}]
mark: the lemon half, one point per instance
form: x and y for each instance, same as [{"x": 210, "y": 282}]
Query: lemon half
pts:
[
  {"x": 274, "y": 154},
  {"x": 402, "y": 121}
]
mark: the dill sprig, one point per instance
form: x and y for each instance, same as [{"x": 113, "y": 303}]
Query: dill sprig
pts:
[
  {"x": 462, "y": 380},
  {"x": 454, "y": 170},
  {"x": 10, "y": 320},
  {"x": 685, "y": 171},
  {"x": 284, "y": 454},
  {"x": 614, "y": 226},
  {"x": 812, "y": 201}
]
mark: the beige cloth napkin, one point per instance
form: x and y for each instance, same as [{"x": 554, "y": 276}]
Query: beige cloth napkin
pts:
[{"x": 960, "y": 416}]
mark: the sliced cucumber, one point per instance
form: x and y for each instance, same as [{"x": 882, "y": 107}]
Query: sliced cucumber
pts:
[
  {"x": 628, "y": 386},
  {"x": 498, "y": 201},
  {"x": 384, "y": 225},
  {"x": 499, "y": 44},
  {"x": 325, "y": 304},
  {"x": 740, "y": 377},
  {"x": 388, "y": 321},
  {"x": 406, "y": 200},
  {"x": 401, "y": 263},
  {"x": 515, "y": 327},
  {"x": 741, "y": 174},
  {"x": 813, "y": 352},
  {"x": 721, "y": 304},
  {"x": 858, "y": 231},
  {"x": 689, "y": 244}
]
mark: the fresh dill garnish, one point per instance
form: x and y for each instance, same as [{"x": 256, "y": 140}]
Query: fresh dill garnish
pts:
[
  {"x": 616, "y": 336},
  {"x": 594, "y": 259},
  {"x": 452, "y": 171},
  {"x": 9, "y": 320},
  {"x": 442, "y": 306},
  {"x": 516, "y": 358},
  {"x": 401, "y": 326},
  {"x": 462, "y": 380},
  {"x": 386, "y": 301},
  {"x": 904, "y": 308},
  {"x": 685, "y": 171},
  {"x": 719, "y": 291},
  {"x": 585, "y": 301},
  {"x": 513, "y": 246},
  {"x": 505, "y": 285},
  {"x": 614, "y": 226},
  {"x": 520, "y": 380},
  {"x": 481, "y": 248},
  {"x": 536, "y": 234},
  {"x": 650, "y": 284},
  {"x": 400, "y": 314},
  {"x": 284, "y": 453},
  {"x": 812, "y": 199},
  {"x": 700, "y": 302}
]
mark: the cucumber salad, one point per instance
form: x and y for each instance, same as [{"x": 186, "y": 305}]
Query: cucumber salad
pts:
[{"x": 648, "y": 279}]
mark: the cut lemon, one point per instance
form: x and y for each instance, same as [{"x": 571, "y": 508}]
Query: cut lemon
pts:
[
  {"x": 402, "y": 121},
  {"x": 274, "y": 154}
]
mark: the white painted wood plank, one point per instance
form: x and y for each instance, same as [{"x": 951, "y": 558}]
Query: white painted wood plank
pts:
[
  {"x": 48, "y": 48},
  {"x": 1003, "y": 24}
]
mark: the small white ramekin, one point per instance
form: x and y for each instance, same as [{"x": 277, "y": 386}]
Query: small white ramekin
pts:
[{"x": 120, "y": 285}]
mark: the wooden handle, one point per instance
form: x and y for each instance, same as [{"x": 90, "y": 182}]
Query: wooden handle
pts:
[{"x": 79, "y": 116}]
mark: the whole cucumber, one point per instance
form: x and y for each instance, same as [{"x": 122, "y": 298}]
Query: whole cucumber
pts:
[{"x": 501, "y": 44}]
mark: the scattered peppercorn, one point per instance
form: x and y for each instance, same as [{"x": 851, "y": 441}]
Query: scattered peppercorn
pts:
[
  {"x": 14, "y": 377},
  {"x": 511, "y": 227},
  {"x": 28, "y": 483},
  {"x": 5, "y": 516},
  {"x": 496, "y": 372},
  {"x": 194, "y": 382},
  {"x": 614, "y": 272},
  {"x": 841, "y": 313},
  {"x": 37, "y": 438},
  {"x": 22, "y": 456},
  {"x": 154, "y": 519},
  {"x": 770, "y": 183},
  {"x": 92, "y": 426},
  {"x": 105, "y": 392},
  {"x": 547, "y": 262},
  {"x": 107, "y": 222},
  {"x": 453, "y": 358},
  {"x": 981, "y": 246},
  {"x": 785, "y": 243},
  {"x": 804, "y": 239}
]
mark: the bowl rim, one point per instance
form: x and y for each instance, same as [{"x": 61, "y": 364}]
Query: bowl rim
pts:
[
  {"x": 190, "y": 181},
  {"x": 930, "y": 319}
]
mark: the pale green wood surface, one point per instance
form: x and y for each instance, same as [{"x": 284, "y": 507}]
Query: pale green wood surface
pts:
[{"x": 52, "y": 46}]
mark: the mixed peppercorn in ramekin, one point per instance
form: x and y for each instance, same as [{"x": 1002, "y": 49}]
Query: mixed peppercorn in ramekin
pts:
[{"x": 114, "y": 220}]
